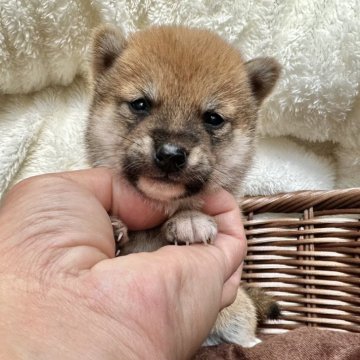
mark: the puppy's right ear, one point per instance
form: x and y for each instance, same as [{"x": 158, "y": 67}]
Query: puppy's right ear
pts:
[{"x": 108, "y": 43}]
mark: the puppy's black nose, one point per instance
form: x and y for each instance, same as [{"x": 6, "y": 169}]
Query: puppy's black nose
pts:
[{"x": 170, "y": 158}]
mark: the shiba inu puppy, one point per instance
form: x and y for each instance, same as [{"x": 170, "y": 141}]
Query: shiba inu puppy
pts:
[{"x": 174, "y": 114}]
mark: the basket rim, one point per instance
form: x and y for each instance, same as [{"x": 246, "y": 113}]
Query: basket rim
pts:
[{"x": 298, "y": 201}]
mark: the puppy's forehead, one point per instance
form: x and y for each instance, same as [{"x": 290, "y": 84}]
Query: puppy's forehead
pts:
[{"x": 174, "y": 60}]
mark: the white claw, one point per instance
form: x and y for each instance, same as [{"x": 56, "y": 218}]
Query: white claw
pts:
[
  {"x": 120, "y": 236},
  {"x": 117, "y": 253}
]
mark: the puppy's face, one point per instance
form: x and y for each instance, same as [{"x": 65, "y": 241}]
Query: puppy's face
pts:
[{"x": 174, "y": 109}]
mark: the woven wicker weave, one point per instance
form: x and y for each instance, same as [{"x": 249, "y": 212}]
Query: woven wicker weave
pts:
[{"x": 304, "y": 247}]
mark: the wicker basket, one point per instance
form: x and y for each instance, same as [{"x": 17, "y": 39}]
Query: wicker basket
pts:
[{"x": 304, "y": 247}]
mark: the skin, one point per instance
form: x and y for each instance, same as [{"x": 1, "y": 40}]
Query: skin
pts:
[{"x": 63, "y": 294}]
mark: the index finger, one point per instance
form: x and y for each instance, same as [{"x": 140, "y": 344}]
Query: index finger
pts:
[
  {"x": 231, "y": 238},
  {"x": 224, "y": 208}
]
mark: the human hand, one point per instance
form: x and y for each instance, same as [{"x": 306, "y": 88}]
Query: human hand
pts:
[{"x": 64, "y": 296}]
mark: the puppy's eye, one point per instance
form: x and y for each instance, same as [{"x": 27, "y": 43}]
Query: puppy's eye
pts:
[
  {"x": 213, "y": 120},
  {"x": 140, "y": 106}
]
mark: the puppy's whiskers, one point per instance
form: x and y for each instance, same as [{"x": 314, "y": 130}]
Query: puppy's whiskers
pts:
[{"x": 130, "y": 140}]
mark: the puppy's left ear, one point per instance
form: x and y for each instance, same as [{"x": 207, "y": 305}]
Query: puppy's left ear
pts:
[{"x": 263, "y": 74}]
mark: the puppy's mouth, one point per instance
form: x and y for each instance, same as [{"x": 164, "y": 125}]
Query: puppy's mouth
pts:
[
  {"x": 164, "y": 188},
  {"x": 165, "y": 181},
  {"x": 160, "y": 189}
]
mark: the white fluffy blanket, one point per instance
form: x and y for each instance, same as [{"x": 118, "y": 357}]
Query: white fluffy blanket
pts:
[{"x": 308, "y": 130}]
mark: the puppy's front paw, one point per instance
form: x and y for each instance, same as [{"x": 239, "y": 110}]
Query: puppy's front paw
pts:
[
  {"x": 120, "y": 233},
  {"x": 190, "y": 227}
]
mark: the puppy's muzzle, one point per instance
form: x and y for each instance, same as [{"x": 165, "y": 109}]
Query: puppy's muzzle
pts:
[{"x": 170, "y": 158}]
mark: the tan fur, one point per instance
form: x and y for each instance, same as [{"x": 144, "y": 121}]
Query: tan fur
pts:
[
  {"x": 182, "y": 74},
  {"x": 236, "y": 323},
  {"x": 265, "y": 305}
]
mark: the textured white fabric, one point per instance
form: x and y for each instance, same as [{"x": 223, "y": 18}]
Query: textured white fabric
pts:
[
  {"x": 44, "y": 43},
  {"x": 281, "y": 165},
  {"x": 42, "y": 132}
]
